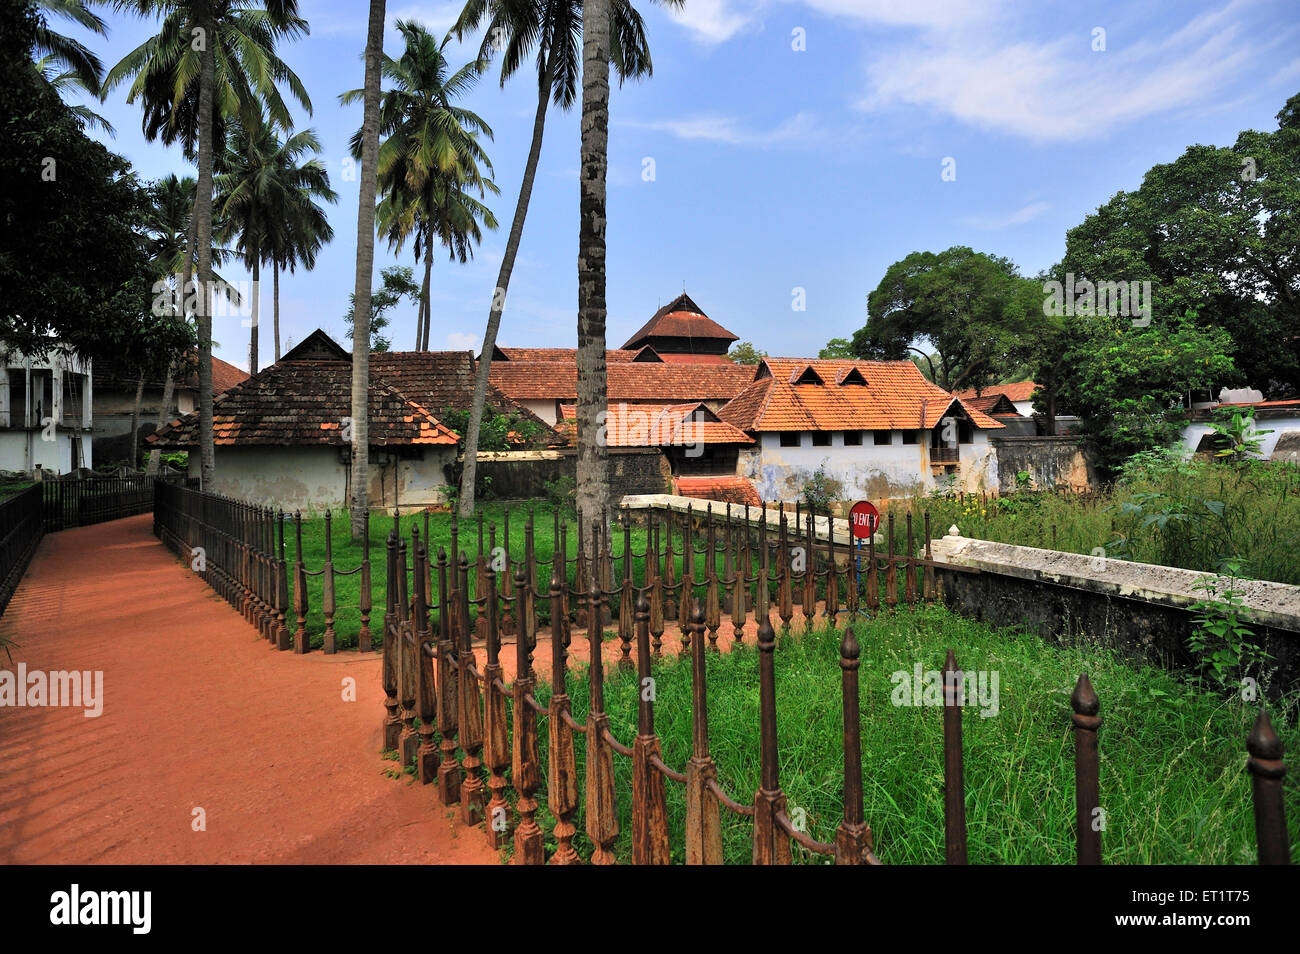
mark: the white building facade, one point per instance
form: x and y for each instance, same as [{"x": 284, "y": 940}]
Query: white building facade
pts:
[{"x": 46, "y": 420}]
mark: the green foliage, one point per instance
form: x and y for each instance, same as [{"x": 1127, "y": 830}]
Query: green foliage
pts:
[
  {"x": 1127, "y": 384},
  {"x": 744, "y": 352},
  {"x": 978, "y": 315},
  {"x": 397, "y": 282},
  {"x": 1222, "y": 640},
  {"x": 1237, "y": 433},
  {"x": 561, "y": 492},
  {"x": 497, "y": 431},
  {"x": 837, "y": 348},
  {"x": 821, "y": 490}
]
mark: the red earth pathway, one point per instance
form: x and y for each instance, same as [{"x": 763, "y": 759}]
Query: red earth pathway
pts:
[{"x": 198, "y": 712}]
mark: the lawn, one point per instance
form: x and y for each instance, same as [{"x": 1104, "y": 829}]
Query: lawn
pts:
[{"x": 1174, "y": 787}]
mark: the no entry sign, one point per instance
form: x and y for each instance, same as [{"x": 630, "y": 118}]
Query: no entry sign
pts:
[{"x": 864, "y": 518}]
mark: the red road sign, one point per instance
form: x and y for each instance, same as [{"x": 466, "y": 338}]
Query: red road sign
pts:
[{"x": 864, "y": 518}]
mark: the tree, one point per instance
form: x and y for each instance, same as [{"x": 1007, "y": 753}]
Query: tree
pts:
[
  {"x": 429, "y": 161},
  {"x": 365, "y": 269},
  {"x": 974, "y": 311},
  {"x": 593, "y": 454},
  {"x": 264, "y": 194},
  {"x": 306, "y": 229},
  {"x": 837, "y": 348},
  {"x": 551, "y": 28},
  {"x": 70, "y": 81},
  {"x": 396, "y": 283},
  {"x": 72, "y": 260},
  {"x": 1217, "y": 233},
  {"x": 744, "y": 352},
  {"x": 72, "y": 56},
  {"x": 206, "y": 47}
]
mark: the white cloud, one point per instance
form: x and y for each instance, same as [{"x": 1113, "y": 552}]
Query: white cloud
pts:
[
  {"x": 1019, "y": 217},
  {"x": 436, "y": 17},
  {"x": 463, "y": 341},
  {"x": 799, "y": 128},
  {"x": 713, "y": 21},
  {"x": 1060, "y": 90}
]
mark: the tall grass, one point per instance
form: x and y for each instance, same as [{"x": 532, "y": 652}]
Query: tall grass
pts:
[
  {"x": 1173, "y": 783},
  {"x": 1198, "y": 515}
]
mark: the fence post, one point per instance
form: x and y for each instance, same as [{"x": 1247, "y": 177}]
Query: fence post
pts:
[
  {"x": 1267, "y": 770},
  {"x": 703, "y": 826},
  {"x": 740, "y": 584},
  {"x": 928, "y": 575},
  {"x": 687, "y": 599},
  {"x": 562, "y": 767},
  {"x": 649, "y": 800},
  {"x": 712, "y": 604},
  {"x": 1085, "y": 705},
  {"x": 281, "y": 586},
  {"x": 448, "y": 768},
  {"x": 426, "y": 689},
  {"x": 853, "y": 837},
  {"x": 392, "y": 723},
  {"x": 873, "y": 578},
  {"x": 909, "y": 589},
  {"x": 365, "y": 602},
  {"x": 655, "y": 584},
  {"x": 786, "y": 606},
  {"x": 602, "y": 799},
  {"x": 954, "y": 778},
  {"x": 771, "y": 844},
  {"x": 472, "y": 796},
  {"x": 809, "y": 601},
  {"x": 327, "y": 582},
  {"x": 626, "y": 612},
  {"x": 891, "y": 569},
  {"x": 525, "y": 762},
  {"x": 406, "y": 669},
  {"x": 496, "y": 731}
]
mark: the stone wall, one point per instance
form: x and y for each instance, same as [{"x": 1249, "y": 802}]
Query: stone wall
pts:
[
  {"x": 523, "y": 475},
  {"x": 1136, "y": 608},
  {"x": 1051, "y": 462}
]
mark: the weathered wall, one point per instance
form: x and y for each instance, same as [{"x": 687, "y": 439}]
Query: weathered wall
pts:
[
  {"x": 1279, "y": 426},
  {"x": 316, "y": 478},
  {"x": 1136, "y": 608},
  {"x": 867, "y": 472},
  {"x": 525, "y": 474},
  {"x": 1049, "y": 461}
]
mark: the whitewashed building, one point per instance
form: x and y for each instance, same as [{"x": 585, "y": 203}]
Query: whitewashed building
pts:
[{"x": 46, "y": 419}]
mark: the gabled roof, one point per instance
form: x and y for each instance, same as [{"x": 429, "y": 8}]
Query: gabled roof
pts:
[
  {"x": 295, "y": 403},
  {"x": 1019, "y": 391},
  {"x": 734, "y": 490},
  {"x": 441, "y": 379},
  {"x": 680, "y": 318},
  {"x": 895, "y": 397},
  {"x": 992, "y": 405},
  {"x": 317, "y": 346},
  {"x": 659, "y": 425},
  {"x": 625, "y": 381}
]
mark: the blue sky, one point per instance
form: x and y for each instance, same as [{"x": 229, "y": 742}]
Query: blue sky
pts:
[{"x": 779, "y": 169}]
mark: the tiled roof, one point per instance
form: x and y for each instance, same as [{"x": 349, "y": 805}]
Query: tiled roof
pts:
[
  {"x": 224, "y": 375},
  {"x": 660, "y": 425},
  {"x": 894, "y": 396},
  {"x": 619, "y": 355},
  {"x": 440, "y": 379},
  {"x": 680, "y": 318},
  {"x": 734, "y": 490},
  {"x": 696, "y": 359},
  {"x": 1019, "y": 391},
  {"x": 995, "y": 405},
  {"x": 298, "y": 403},
  {"x": 658, "y": 383}
]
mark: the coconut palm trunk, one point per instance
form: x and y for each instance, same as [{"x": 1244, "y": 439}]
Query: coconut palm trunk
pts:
[
  {"x": 365, "y": 269},
  {"x": 135, "y": 422},
  {"x": 469, "y": 471},
  {"x": 203, "y": 238},
  {"x": 428, "y": 278},
  {"x": 593, "y": 455},
  {"x": 169, "y": 385},
  {"x": 252, "y": 334},
  {"x": 275, "y": 306}
]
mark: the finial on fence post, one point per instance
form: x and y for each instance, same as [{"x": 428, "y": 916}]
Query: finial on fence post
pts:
[
  {"x": 496, "y": 733},
  {"x": 602, "y": 799},
  {"x": 1088, "y": 815},
  {"x": 853, "y": 838},
  {"x": 650, "y": 844},
  {"x": 771, "y": 844},
  {"x": 449, "y": 777},
  {"x": 525, "y": 763},
  {"x": 1267, "y": 770}
]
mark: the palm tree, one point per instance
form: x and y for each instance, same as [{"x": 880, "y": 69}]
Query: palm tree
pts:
[
  {"x": 70, "y": 81},
  {"x": 360, "y": 477},
  {"x": 60, "y": 51},
  {"x": 553, "y": 28},
  {"x": 593, "y": 455},
  {"x": 261, "y": 194},
  {"x": 210, "y": 59},
  {"x": 431, "y": 149},
  {"x": 306, "y": 230}
]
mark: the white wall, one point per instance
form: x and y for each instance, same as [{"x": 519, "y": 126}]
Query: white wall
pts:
[
  {"x": 315, "y": 478},
  {"x": 1193, "y": 433}
]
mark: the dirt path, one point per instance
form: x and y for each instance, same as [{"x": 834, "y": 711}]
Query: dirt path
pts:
[{"x": 197, "y": 713}]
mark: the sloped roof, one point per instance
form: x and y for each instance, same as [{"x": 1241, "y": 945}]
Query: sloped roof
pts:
[
  {"x": 725, "y": 490},
  {"x": 994, "y": 405},
  {"x": 680, "y": 318},
  {"x": 1019, "y": 391},
  {"x": 441, "y": 379},
  {"x": 625, "y": 381},
  {"x": 660, "y": 425},
  {"x": 895, "y": 396},
  {"x": 620, "y": 355},
  {"x": 296, "y": 403}
]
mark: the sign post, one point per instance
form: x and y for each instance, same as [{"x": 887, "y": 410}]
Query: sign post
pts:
[{"x": 864, "y": 518}]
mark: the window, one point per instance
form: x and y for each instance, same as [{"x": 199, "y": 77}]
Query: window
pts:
[
  {"x": 883, "y": 437},
  {"x": 790, "y": 438},
  {"x": 821, "y": 438},
  {"x": 909, "y": 437},
  {"x": 965, "y": 433},
  {"x": 852, "y": 438}
]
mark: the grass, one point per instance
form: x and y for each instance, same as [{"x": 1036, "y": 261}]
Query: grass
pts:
[
  {"x": 1173, "y": 782},
  {"x": 1195, "y": 515}
]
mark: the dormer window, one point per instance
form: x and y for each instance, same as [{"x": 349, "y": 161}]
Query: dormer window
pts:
[
  {"x": 808, "y": 375},
  {"x": 850, "y": 376}
]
